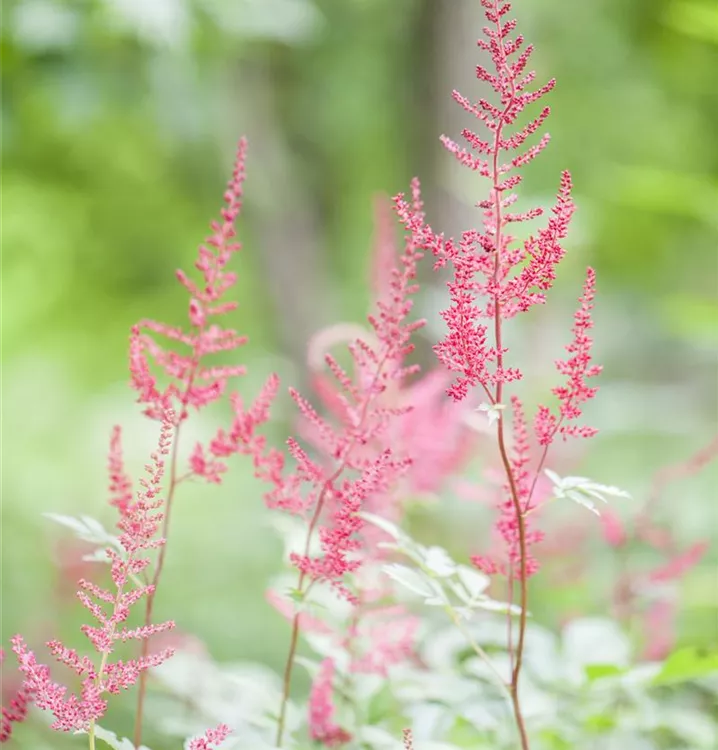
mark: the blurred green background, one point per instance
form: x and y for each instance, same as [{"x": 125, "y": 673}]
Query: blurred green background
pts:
[{"x": 119, "y": 119}]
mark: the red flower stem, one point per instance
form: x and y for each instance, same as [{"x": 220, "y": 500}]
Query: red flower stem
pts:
[
  {"x": 509, "y": 621},
  {"x": 523, "y": 596},
  {"x": 517, "y": 656}
]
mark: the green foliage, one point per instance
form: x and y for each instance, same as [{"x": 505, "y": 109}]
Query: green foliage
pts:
[{"x": 687, "y": 664}]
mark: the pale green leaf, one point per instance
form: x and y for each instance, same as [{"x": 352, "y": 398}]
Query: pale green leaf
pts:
[{"x": 411, "y": 579}]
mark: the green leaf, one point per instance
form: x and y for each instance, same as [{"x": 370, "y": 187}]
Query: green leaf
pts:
[
  {"x": 582, "y": 490},
  {"x": 695, "y": 18},
  {"x": 600, "y": 723},
  {"x": 687, "y": 664},
  {"x": 115, "y": 742},
  {"x": 438, "y": 561},
  {"x": 383, "y": 704},
  {"x": 86, "y": 528},
  {"x": 381, "y": 523},
  {"x": 296, "y": 595},
  {"x": 411, "y": 579},
  {"x": 473, "y": 581},
  {"x": 600, "y": 671}
]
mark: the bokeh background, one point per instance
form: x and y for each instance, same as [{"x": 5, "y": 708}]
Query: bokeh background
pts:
[{"x": 119, "y": 120}]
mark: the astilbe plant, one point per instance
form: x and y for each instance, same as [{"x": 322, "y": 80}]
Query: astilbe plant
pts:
[
  {"x": 495, "y": 278},
  {"x": 144, "y": 523},
  {"x": 192, "y": 381},
  {"x": 377, "y": 634},
  {"x": 102, "y": 677},
  {"x": 360, "y": 466}
]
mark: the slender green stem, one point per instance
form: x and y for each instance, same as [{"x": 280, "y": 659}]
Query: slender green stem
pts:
[
  {"x": 294, "y": 639},
  {"x": 501, "y": 683}
]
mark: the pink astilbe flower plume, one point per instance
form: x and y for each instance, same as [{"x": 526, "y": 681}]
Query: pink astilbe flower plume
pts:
[
  {"x": 495, "y": 277},
  {"x": 192, "y": 381},
  {"x": 577, "y": 369},
  {"x": 212, "y": 738},
  {"x": 101, "y": 677},
  {"x": 329, "y": 495},
  {"x": 423, "y": 425},
  {"x": 433, "y": 429},
  {"x": 356, "y": 465},
  {"x": 322, "y": 728},
  {"x": 120, "y": 484},
  {"x": 15, "y": 712},
  {"x": 381, "y": 638}
]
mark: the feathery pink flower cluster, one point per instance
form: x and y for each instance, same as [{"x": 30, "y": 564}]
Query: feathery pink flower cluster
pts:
[
  {"x": 212, "y": 738},
  {"x": 139, "y": 525},
  {"x": 16, "y": 710},
  {"x": 577, "y": 368},
  {"x": 486, "y": 263},
  {"x": 507, "y": 524},
  {"x": 381, "y": 638},
  {"x": 495, "y": 277},
  {"x": 192, "y": 382},
  {"x": 324, "y": 493},
  {"x": 321, "y": 709},
  {"x": 427, "y": 428},
  {"x": 120, "y": 487},
  {"x": 433, "y": 430}
]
